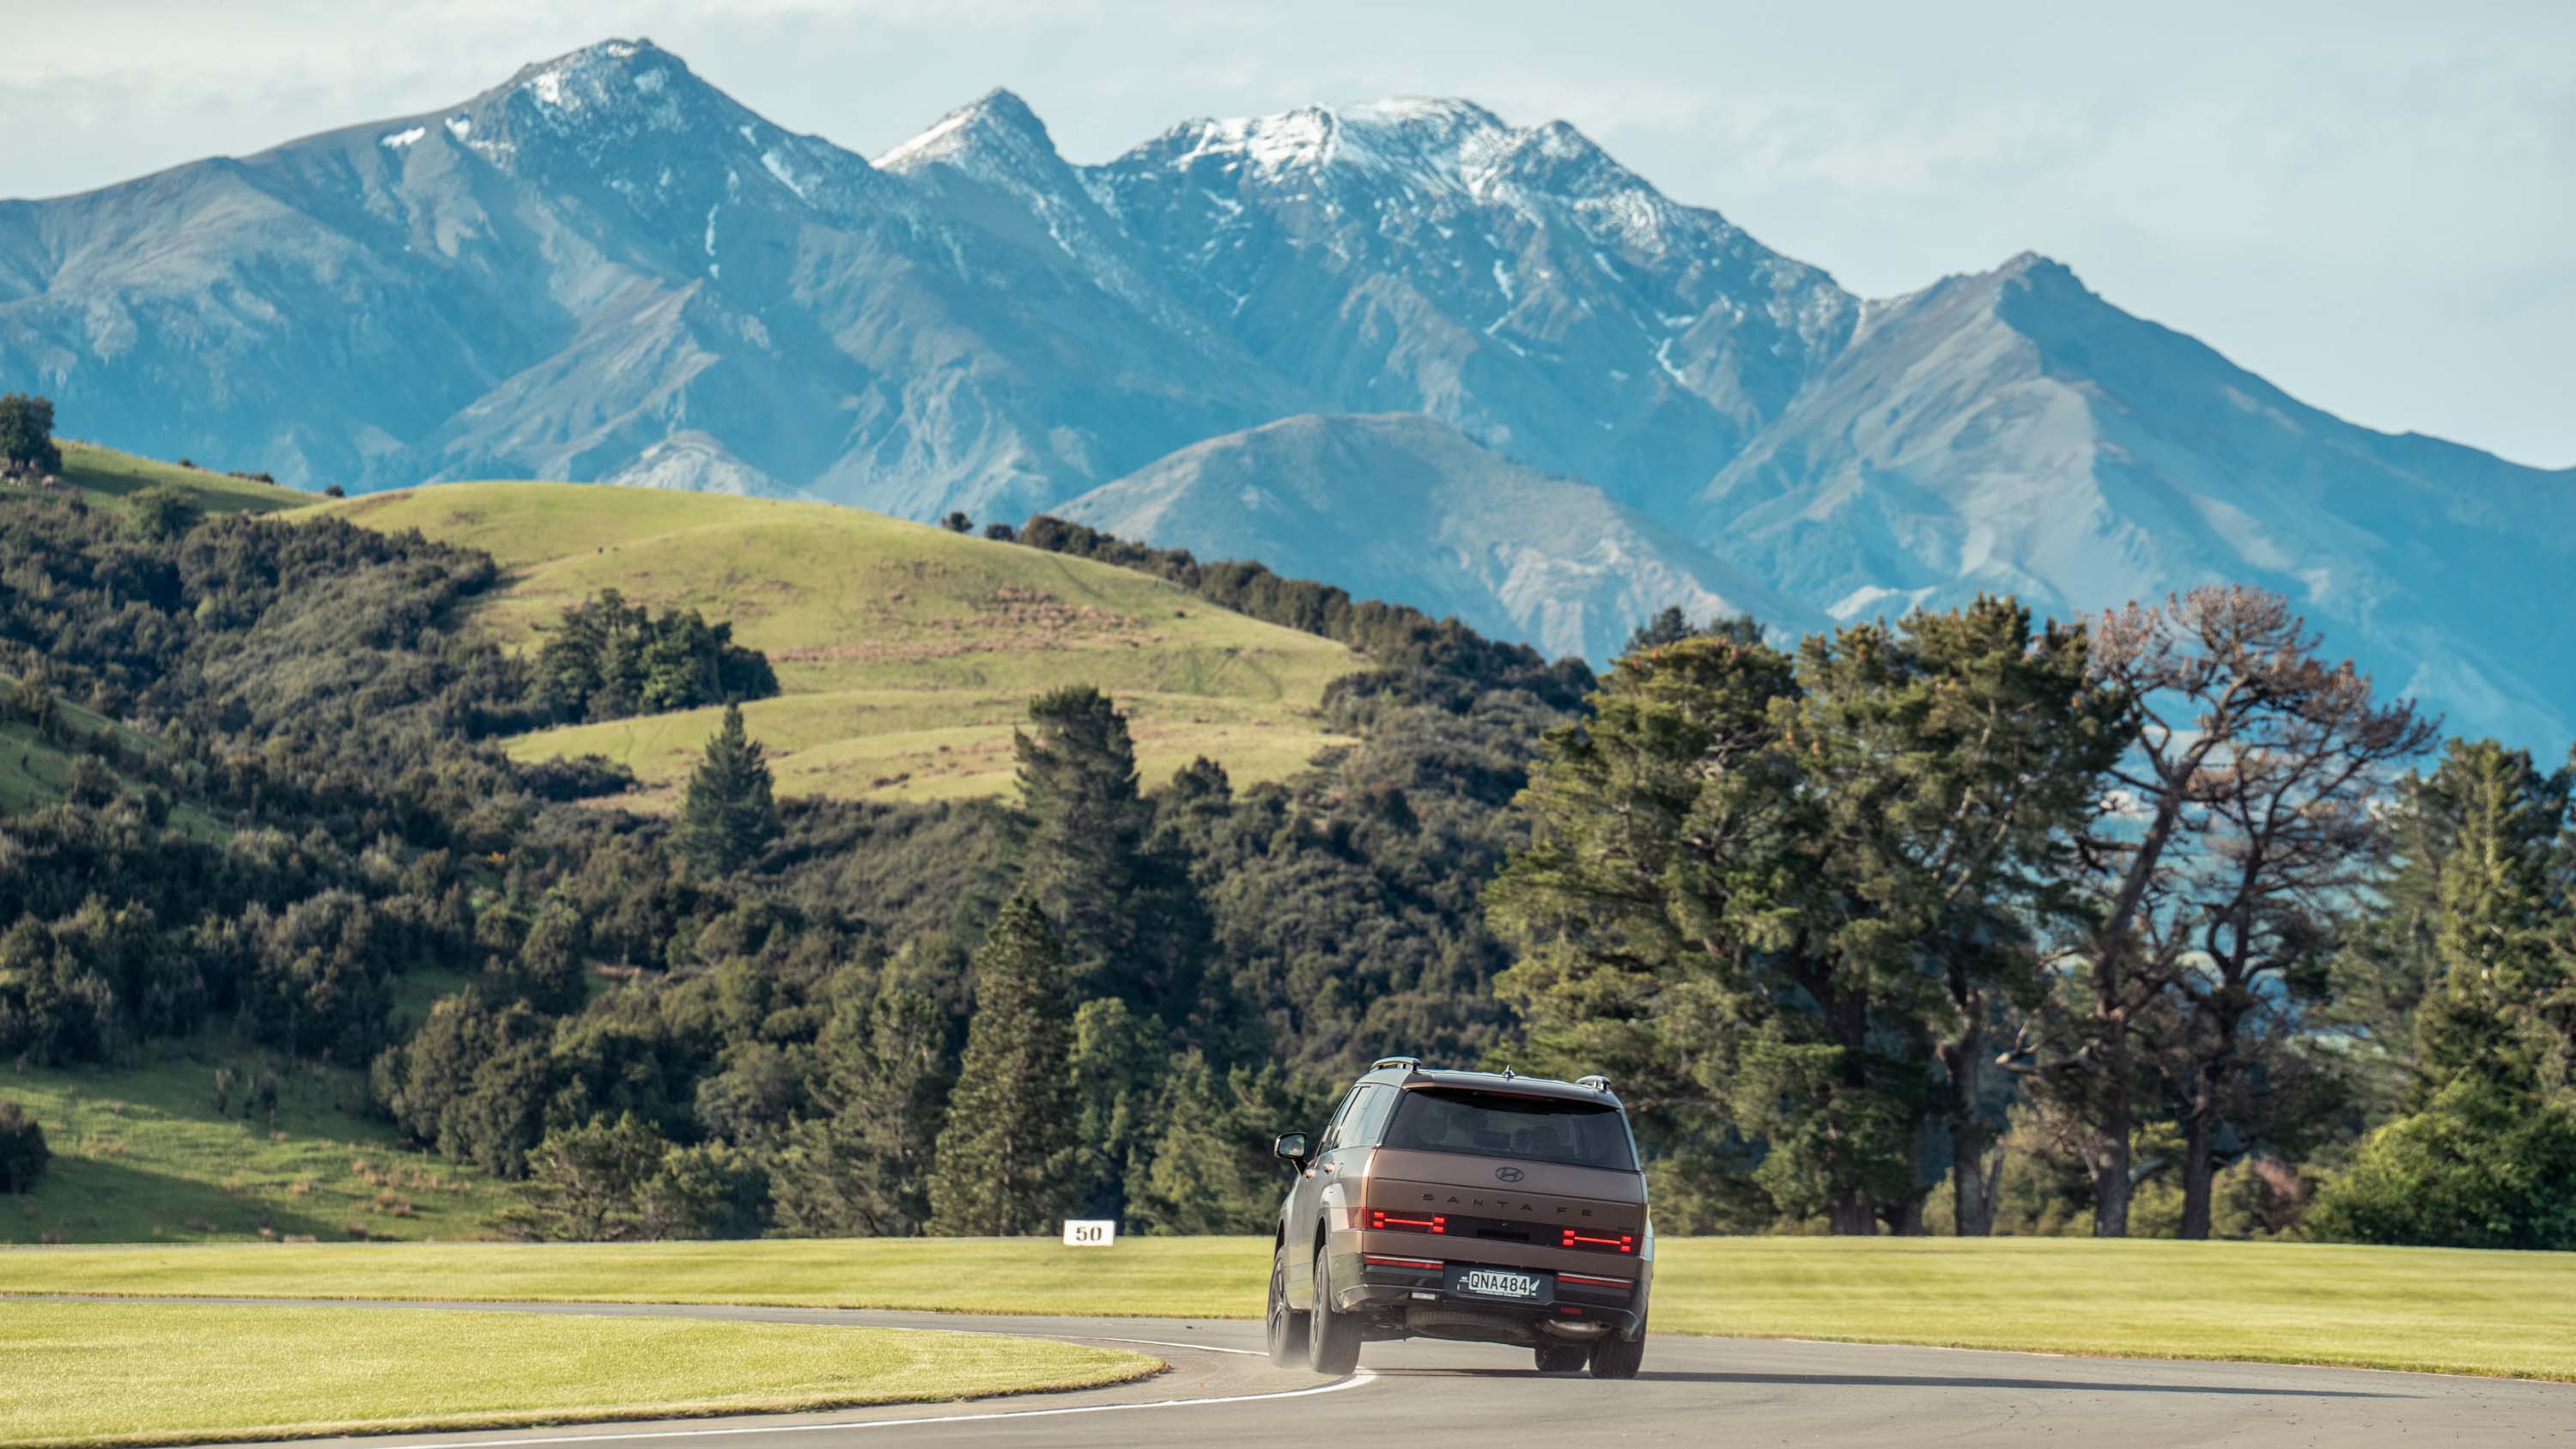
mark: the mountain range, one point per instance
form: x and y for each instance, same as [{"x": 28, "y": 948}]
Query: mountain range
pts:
[{"x": 1404, "y": 346}]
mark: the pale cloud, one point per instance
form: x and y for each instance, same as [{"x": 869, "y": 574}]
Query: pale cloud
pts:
[{"x": 2366, "y": 202}]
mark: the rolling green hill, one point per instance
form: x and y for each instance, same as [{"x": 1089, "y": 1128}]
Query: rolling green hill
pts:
[
  {"x": 906, "y": 653},
  {"x": 106, "y": 474}
]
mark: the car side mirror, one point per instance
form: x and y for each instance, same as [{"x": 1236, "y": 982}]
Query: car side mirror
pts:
[{"x": 1291, "y": 1146}]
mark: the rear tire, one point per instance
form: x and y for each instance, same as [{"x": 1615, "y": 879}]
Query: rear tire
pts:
[
  {"x": 1287, "y": 1325},
  {"x": 1562, "y": 1358},
  {"x": 1618, "y": 1358},
  {"x": 1332, "y": 1339}
]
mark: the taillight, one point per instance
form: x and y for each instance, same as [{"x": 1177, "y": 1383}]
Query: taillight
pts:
[
  {"x": 1381, "y": 1260},
  {"x": 1589, "y": 1281},
  {"x": 1437, "y": 1223},
  {"x": 1624, "y": 1243}
]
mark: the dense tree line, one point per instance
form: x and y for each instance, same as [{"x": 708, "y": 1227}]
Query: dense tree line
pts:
[
  {"x": 754, "y": 1015},
  {"x": 1965, "y": 922},
  {"x": 2032, "y": 926}
]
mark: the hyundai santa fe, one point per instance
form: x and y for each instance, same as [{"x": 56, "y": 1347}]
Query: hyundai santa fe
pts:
[{"x": 1464, "y": 1205}]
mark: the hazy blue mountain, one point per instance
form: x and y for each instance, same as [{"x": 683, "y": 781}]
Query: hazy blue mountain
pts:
[
  {"x": 606, "y": 268},
  {"x": 2014, "y": 433},
  {"x": 1399, "y": 505}
]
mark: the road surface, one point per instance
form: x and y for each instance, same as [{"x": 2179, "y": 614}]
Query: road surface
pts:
[{"x": 1734, "y": 1392}]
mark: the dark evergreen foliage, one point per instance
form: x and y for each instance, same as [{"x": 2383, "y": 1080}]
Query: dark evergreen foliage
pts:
[
  {"x": 23, "y": 1153},
  {"x": 609, "y": 659},
  {"x": 27, "y": 435},
  {"x": 728, "y": 817},
  {"x": 1008, "y": 1158}
]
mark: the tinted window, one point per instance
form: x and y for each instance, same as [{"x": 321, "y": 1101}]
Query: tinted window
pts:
[
  {"x": 1369, "y": 1118},
  {"x": 1487, "y": 1124}
]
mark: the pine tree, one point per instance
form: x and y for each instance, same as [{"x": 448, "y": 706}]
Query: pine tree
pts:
[
  {"x": 1117, "y": 1064},
  {"x": 1131, "y": 924},
  {"x": 728, "y": 816},
  {"x": 1009, "y": 1156},
  {"x": 861, "y": 1166}
]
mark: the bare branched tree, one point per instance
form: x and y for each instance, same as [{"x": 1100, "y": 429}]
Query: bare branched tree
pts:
[{"x": 2242, "y": 817}]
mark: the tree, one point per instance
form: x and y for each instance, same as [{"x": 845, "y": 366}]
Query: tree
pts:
[
  {"x": 163, "y": 511},
  {"x": 1001, "y": 533},
  {"x": 1008, "y": 1157},
  {"x": 1116, "y": 1062},
  {"x": 586, "y": 1184},
  {"x": 620, "y": 1181},
  {"x": 861, "y": 1165},
  {"x": 1779, "y": 901},
  {"x": 1671, "y": 626},
  {"x": 1209, "y": 1168},
  {"x": 27, "y": 435},
  {"x": 2240, "y": 822},
  {"x": 23, "y": 1154},
  {"x": 2482, "y": 1166},
  {"x": 2488, "y": 1158},
  {"x": 1131, "y": 923},
  {"x": 957, "y": 522},
  {"x": 728, "y": 817}
]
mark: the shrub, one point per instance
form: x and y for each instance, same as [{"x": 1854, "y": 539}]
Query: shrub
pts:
[
  {"x": 2481, "y": 1167},
  {"x": 23, "y": 1154}
]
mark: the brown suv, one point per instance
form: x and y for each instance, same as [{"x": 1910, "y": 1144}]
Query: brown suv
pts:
[{"x": 1468, "y": 1205}]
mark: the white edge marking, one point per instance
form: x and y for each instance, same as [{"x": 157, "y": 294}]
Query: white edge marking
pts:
[{"x": 1358, "y": 1378}]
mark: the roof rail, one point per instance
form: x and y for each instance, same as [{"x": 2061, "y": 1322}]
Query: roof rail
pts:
[
  {"x": 1596, "y": 1082},
  {"x": 1382, "y": 1063}
]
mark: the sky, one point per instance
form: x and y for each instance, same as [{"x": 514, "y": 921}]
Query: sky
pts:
[{"x": 2371, "y": 204}]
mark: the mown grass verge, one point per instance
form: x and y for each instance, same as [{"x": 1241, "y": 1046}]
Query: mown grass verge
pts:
[
  {"x": 2430, "y": 1309},
  {"x": 82, "y": 1374}
]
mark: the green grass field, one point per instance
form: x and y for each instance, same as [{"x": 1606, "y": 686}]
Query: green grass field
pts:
[
  {"x": 2399, "y": 1308},
  {"x": 142, "y": 1155},
  {"x": 906, "y": 653},
  {"x": 128, "y": 1373},
  {"x": 106, "y": 474}
]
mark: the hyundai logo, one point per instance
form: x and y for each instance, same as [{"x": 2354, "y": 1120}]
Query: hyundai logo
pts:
[{"x": 1508, "y": 1174}]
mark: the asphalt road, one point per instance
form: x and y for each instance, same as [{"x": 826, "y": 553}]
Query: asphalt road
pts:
[{"x": 1222, "y": 1391}]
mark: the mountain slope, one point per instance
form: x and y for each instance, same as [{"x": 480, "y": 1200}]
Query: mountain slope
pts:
[
  {"x": 2012, "y": 432},
  {"x": 1399, "y": 505},
  {"x": 605, "y": 269},
  {"x": 907, "y": 654}
]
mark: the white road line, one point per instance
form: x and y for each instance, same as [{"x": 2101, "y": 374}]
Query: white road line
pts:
[
  {"x": 1354, "y": 1381},
  {"x": 1155, "y": 1342}
]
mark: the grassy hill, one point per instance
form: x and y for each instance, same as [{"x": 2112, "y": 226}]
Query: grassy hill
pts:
[
  {"x": 906, "y": 653},
  {"x": 148, "y": 1152},
  {"x": 106, "y": 474}
]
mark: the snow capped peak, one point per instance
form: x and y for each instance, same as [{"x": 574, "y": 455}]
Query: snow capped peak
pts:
[
  {"x": 596, "y": 75},
  {"x": 1410, "y": 137},
  {"x": 997, "y": 120}
]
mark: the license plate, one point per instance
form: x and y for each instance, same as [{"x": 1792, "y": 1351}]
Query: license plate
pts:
[{"x": 1490, "y": 1283}]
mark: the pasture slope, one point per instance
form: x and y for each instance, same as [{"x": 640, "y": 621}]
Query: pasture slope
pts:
[
  {"x": 906, "y": 654},
  {"x": 108, "y": 476},
  {"x": 153, "y": 1151}
]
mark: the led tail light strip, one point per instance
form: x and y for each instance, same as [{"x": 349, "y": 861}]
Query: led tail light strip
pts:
[
  {"x": 1624, "y": 1243},
  {"x": 1437, "y": 1223},
  {"x": 1380, "y": 1260}
]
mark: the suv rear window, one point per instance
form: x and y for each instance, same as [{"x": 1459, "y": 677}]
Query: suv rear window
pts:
[{"x": 1490, "y": 1124}]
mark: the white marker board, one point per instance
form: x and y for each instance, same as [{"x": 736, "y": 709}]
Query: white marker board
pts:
[{"x": 1089, "y": 1233}]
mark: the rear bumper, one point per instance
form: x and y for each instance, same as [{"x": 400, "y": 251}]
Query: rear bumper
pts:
[{"x": 1409, "y": 1299}]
